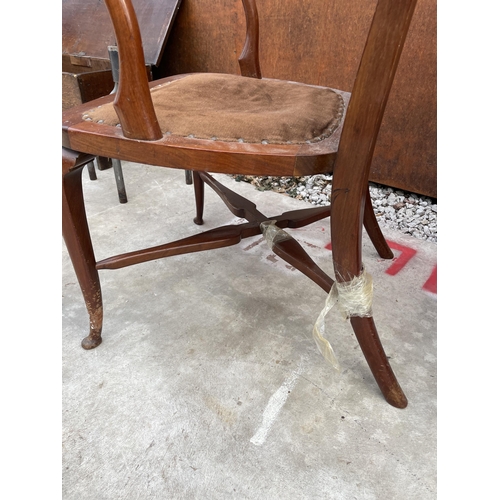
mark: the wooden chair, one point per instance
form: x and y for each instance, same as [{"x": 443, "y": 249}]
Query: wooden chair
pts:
[{"x": 263, "y": 127}]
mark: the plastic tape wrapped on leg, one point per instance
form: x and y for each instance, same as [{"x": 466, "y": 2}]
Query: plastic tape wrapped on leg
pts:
[{"x": 353, "y": 298}]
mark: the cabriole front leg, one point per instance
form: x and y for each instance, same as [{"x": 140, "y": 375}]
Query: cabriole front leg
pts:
[{"x": 78, "y": 242}]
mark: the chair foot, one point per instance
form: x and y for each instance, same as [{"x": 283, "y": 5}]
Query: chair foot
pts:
[
  {"x": 395, "y": 397},
  {"x": 93, "y": 340},
  {"x": 369, "y": 341}
]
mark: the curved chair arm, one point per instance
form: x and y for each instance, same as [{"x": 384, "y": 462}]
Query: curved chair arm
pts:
[
  {"x": 362, "y": 123},
  {"x": 133, "y": 103},
  {"x": 249, "y": 58}
]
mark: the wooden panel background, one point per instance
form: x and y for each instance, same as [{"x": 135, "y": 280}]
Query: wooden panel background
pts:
[{"x": 320, "y": 42}]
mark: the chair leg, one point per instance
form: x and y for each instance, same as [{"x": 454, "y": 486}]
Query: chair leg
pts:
[
  {"x": 78, "y": 242},
  {"x": 373, "y": 229},
  {"x": 369, "y": 341},
  {"x": 346, "y": 225},
  {"x": 91, "y": 169},
  {"x": 120, "y": 183},
  {"x": 103, "y": 163},
  {"x": 199, "y": 195}
]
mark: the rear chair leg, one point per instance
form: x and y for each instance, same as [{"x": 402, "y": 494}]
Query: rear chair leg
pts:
[
  {"x": 77, "y": 238},
  {"x": 373, "y": 229},
  {"x": 347, "y": 261},
  {"x": 369, "y": 341},
  {"x": 91, "y": 169},
  {"x": 120, "y": 183},
  {"x": 199, "y": 195}
]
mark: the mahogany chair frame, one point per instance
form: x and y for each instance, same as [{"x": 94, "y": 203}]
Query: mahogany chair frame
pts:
[{"x": 347, "y": 153}]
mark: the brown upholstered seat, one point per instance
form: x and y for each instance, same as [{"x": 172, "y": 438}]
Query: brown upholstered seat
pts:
[{"x": 234, "y": 108}]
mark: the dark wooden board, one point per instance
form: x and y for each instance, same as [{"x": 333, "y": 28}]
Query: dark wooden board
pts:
[
  {"x": 84, "y": 87},
  {"x": 87, "y": 30}
]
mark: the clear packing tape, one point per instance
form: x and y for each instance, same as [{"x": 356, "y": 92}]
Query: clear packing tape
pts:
[
  {"x": 353, "y": 298},
  {"x": 272, "y": 233}
]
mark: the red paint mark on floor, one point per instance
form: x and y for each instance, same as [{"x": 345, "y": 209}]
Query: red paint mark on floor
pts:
[
  {"x": 311, "y": 245},
  {"x": 407, "y": 253},
  {"x": 255, "y": 243},
  {"x": 431, "y": 284},
  {"x": 399, "y": 262}
]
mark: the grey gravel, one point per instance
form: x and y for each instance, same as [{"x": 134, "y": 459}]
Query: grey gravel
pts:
[{"x": 409, "y": 213}]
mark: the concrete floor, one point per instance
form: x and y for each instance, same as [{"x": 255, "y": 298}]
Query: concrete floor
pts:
[{"x": 208, "y": 384}]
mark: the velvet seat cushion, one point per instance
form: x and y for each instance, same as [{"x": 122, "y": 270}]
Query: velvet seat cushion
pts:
[{"x": 234, "y": 108}]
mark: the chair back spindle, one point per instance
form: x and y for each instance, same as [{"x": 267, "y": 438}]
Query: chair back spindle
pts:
[
  {"x": 249, "y": 58},
  {"x": 133, "y": 103}
]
